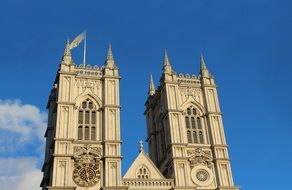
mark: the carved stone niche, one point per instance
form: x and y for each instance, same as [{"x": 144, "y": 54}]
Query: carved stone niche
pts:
[
  {"x": 87, "y": 167},
  {"x": 200, "y": 157}
]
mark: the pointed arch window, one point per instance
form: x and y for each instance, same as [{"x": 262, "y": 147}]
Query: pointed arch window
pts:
[
  {"x": 143, "y": 173},
  {"x": 195, "y": 133},
  {"x": 87, "y": 121}
]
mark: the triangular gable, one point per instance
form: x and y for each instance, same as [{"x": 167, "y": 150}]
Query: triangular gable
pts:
[{"x": 143, "y": 160}]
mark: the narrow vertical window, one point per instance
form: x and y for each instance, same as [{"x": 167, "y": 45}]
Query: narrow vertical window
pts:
[
  {"x": 195, "y": 137},
  {"x": 90, "y": 105},
  {"x": 86, "y": 133},
  {"x": 189, "y": 136},
  {"x": 187, "y": 122},
  {"x": 93, "y": 133},
  {"x": 199, "y": 123},
  {"x": 80, "y": 117},
  {"x": 80, "y": 134},
  {"x": 93, "y": 117},
  {"x": 201, "y": 137},
  {"x": 87, "y": 117},
  {"x": 193, "y": 123}
]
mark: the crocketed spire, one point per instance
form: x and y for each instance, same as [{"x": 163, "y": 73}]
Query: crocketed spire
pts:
[
  {"x": 110, "y": 62},
  {"x": 203, "y": 68},
  {"x": 166, "y": 63},
  {"x": 151, "y": 91}
]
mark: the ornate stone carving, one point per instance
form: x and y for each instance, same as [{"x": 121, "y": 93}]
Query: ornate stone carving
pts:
[
  {"x": 84, "y": 84},
  {"x": 87, "y": 149},
  {"x": 87, "y": 167},
  {"x": 187, "y": 92},
  {"x": 200, "y": 157}
]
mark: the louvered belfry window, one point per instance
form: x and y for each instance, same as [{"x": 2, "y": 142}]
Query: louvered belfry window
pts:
[
  {"x": 87, "y": 121},
  {"x": 194, "y": 126}
]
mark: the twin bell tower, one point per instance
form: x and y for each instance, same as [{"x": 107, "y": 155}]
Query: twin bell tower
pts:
[{"x": 185, "y": 135}]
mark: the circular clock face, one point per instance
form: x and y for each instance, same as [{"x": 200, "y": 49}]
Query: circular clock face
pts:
[
  {"x": 86, "y": 175},
  {"x": 202, "y": 176}
]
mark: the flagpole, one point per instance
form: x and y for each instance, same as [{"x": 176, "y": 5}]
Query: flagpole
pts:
[{"x": 84, "y": 51}]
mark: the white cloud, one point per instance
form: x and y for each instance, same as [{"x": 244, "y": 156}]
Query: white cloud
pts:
[
  {"x": 21, "y": 127},
  {"x": 19, "y": 174}
]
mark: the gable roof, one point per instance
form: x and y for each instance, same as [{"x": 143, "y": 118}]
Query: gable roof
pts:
[{"x": 143, "y": 160}]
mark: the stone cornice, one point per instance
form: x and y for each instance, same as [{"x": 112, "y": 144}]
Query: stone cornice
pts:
[
  {"x": 65, "y": 103},
  {"x": 112, "y": 141},
  {"x": 111, "y": 106},
  {"x": 111, "y": 77}
]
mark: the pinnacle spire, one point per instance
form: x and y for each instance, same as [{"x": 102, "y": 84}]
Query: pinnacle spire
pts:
[
  {"x": 110, "y": 53},
  {"x": 151, "y": 91},
  {"x": 67, "y": 51},
  {"x": 110, "y": 62},
  {"x": 202, "y": 63},
  {"x": 166, "y": 63},
  {"x": 203, "y": 68},
  {"x": 166, "y": 59}
]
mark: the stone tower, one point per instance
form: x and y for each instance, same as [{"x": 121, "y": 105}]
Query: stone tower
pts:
[
  {"x": 185, "y": 131},
  {"x": 186, "y": 139},
  {"x": 83, "y": 145}
]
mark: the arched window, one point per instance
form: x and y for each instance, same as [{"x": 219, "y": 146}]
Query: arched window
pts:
[
  {"x": 87, "y": 121},
  {"x": 194, "y": 126},
  {"x": 143, "y": 173}
]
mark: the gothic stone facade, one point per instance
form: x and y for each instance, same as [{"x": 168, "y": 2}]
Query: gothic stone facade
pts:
[{"x": 187, "y": 146}]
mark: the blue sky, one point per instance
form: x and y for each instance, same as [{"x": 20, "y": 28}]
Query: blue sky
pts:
[{"x": 246, "y": 43}]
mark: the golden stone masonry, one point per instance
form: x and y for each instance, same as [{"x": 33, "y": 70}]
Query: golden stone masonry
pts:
[{"x": 185, "y": 135}]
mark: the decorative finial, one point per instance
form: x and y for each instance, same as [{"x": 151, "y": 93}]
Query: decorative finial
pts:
[
  {"x": 166, "y": 63},
  {"x": 141, "y": 146},
  {"x": 67, "y": 51},
  {"x": 151, "y": 86},
  {"x": 110, "y": 62}
]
